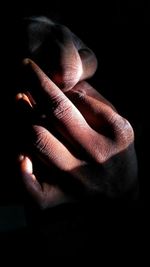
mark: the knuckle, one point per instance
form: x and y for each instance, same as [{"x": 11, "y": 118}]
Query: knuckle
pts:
[
  {"x": 102, "y": 154},
  {"x": 123, "y": 130},
  {"x": 79, "y": 95},
  {"x": 62, "y": 109},
  {"x": 69, "y": 77},
  {"x": 101, "y": 151},
  {"x": 41, "y": 140}
]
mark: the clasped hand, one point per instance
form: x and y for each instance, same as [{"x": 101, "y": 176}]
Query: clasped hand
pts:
[{"x": 79, "y": 145}]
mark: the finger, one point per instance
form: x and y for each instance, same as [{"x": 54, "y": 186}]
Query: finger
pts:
[
  {"x": 68, "y": 62},
  {"x": 89, "y": 63},
  {"x": 46, "y": 144},
  {"x": 72, "y": 124},
  {"x": 102, "y": 117},
  {"x": 24, "y": 108},
  {"x": 88, "y": 58},
  {"x": 66, "y": 116},
  {"x": 26, "y": 98},
  {"x": 56, "y": 53},
  {"x": 93, "y": 106},
  {"x": 30, "y": 181},
  {"x": 45, "y": 195},
  {"x": 52, "y": 151},
  {"x": 24, "y": 118},
  {"x": 85, "y": 89},
  {"x": 28, "y": 109}
]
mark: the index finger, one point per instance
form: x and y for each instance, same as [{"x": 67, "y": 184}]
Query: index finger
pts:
[{"x": 68, "y": 117}]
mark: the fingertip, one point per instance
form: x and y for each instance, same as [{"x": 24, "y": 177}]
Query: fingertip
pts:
[
  {"x": 20, "y": 158},
  {"x": 26, "y": 61},
  {"x": 26, "y": 98},
  {"x": 25, "y": 164},
  {"x": 19, "y": 96}
]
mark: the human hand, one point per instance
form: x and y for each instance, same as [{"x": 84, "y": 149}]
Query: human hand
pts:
[
  {"x": 86, "y": 147},
  {"x": 62, "y": 55}
]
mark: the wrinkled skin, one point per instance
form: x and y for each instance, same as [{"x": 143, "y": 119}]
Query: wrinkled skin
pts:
[{"x": 75, "y": 134}]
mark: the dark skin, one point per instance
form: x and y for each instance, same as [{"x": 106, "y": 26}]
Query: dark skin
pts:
[{"x": 86, "y": 147}]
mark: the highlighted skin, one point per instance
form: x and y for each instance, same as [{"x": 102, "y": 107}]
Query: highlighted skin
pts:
[{"x": 86, "y": 147}]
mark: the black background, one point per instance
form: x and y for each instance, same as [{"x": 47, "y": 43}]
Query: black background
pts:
[{"x": 118, "y": 33}]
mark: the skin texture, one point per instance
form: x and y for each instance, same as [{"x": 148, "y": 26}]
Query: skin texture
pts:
[
  {"x": 62, "y": 55},
  {"x": 78, "y": 145}
]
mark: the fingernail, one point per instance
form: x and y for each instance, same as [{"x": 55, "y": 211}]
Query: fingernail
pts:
[
  {"x": 27, "y": 99},
  {"x": 19, "y": 96}
]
